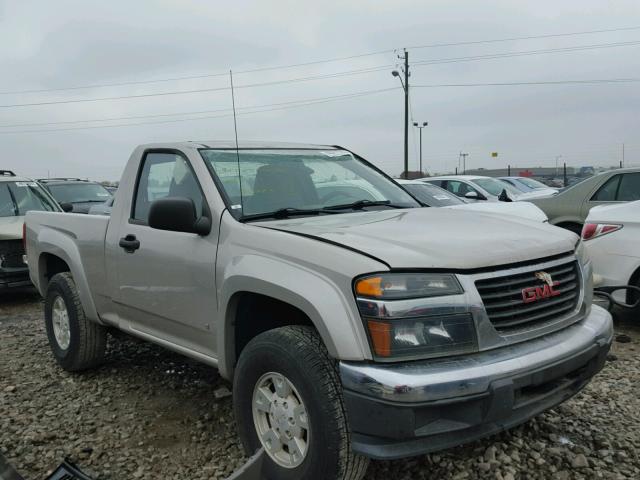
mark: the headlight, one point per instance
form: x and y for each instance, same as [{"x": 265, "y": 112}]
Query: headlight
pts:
[
  {"x": 423, "y": 329},
  {"x": 396, "y": 286},
  {"x": 423, "y": 336}
]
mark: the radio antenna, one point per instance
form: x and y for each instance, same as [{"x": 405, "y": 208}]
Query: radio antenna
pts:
[{"x": 235, "y": 128}]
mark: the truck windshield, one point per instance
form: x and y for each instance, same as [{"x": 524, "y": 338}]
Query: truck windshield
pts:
[
  {"x": 18, "y": 198},
  {"x": 79, "y": 192},
  {"x": 266, "y": 181}
]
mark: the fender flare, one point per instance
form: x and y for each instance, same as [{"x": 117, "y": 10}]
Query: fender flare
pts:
[
  {"x": 321, "y": 300},
  {"x": 59, "y": 244}
]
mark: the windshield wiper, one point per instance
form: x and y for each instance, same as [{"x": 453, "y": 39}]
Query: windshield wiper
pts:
[
  {"x": 360, "y": 204},
  {"x": 285, "y": 213}
]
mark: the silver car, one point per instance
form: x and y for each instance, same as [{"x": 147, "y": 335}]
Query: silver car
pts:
[{"x": 570, "y": 207}]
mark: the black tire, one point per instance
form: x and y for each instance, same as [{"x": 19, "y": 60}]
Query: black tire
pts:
[
  {"x": 297, "y": 352},
  {"x": 87, "y": 339},
  {"x": 632, "y": 295}
]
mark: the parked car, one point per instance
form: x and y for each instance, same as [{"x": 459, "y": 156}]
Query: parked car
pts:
[
  {"x": 530, "y": 186},
  {"x": 350, "y": 329},
  {"x": 79, "y": 194},
  {"x": 18, "y": 195},
  {"x": 102, "y": 208},
  {"x": 476, "y": 188},
  {"x": 611, "y": 235},
  {"x": 570, "y": 207},
  {"x": 433, "y": 196}
]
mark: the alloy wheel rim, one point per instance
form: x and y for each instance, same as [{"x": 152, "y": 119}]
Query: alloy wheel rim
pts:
[
  {"x": 281, "y": 421},
  {"x": 60, "y": 321}
]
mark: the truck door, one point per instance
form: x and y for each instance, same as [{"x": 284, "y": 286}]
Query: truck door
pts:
[{"x": 166, "y": 283}]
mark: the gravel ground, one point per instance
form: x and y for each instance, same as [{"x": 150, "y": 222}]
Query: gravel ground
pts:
[{"x": 148, "y": 413}]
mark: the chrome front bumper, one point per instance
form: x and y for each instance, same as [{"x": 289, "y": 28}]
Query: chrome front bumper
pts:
[
  {"x": 401, "y": 410},
  {"x": 439, "y": 379}
]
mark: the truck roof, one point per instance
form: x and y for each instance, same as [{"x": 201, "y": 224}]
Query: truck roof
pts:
[{"x": 242, "y": 144}]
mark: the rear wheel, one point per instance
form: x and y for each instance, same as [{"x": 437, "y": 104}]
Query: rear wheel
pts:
[
  {"x": 288, "y": 400},
  {"x": 76, "y": 342}
]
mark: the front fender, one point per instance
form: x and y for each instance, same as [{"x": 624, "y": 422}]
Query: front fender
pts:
[
  {"x": 63, "y": 245},
  {"x": 322, "y": 299}
]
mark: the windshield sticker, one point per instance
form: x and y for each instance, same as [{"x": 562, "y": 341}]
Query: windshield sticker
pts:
[
  {"x": 103, "y": 195},
  {"x": 441, "y": 197},
  {"x": 235, "y": 207},
  {"x": 26, "y": 184}
]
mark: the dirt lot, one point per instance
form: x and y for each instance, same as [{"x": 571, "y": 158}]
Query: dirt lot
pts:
[{"x": 148, "y": 414}]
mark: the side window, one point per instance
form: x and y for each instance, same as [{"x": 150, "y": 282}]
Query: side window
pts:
[
  {"x": 459, "y": 188},
  {"x": 165, "y": 175},
  {"x": 629, "y": 190},
  {"x": 607, "y": 192}
]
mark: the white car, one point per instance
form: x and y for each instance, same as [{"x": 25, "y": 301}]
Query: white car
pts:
[
  {"x": 433, "y": 196},
  {"x": 530, "y": 186},
  {"x": 474, "y": 188},
  {"x": 611, "y": 235}
]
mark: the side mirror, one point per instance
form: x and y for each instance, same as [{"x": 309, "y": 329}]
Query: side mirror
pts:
[
  {"x": 177, "y": 214},
  {"x": 66, "y": 207},
  {"x": 474, "y": 196},
  {"x": 504, "y": 197}
]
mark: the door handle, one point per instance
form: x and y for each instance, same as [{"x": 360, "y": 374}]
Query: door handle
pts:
[{"x": 130, "y": 243}]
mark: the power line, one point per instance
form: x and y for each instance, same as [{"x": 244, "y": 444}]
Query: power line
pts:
[
  {"x": 551, "y": 82},
  {"x": 249, "y": 110},
  {"x": 492, "y": 56},
  {"x": 194, "y": 77},
  {"x": 315, "y": 62},
  {"x": 203, "y": 90},
  {"x": 330, "y": 75},
  {"x": 530, "y": 37}
]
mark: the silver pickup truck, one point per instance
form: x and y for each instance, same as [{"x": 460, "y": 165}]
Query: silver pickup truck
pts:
[{"x": 353, "y": 323}]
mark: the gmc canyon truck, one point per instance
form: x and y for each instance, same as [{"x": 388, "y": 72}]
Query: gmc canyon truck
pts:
[{"x": 351, "y": 328}]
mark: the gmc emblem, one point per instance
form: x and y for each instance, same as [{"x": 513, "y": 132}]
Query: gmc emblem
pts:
[{"x": 533, "y": 294}]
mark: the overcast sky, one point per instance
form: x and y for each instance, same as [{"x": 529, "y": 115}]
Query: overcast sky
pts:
[{"x": 59, "y": 44}]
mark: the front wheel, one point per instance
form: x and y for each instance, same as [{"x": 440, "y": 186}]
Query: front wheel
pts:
[{"x": 288, "y": 399}]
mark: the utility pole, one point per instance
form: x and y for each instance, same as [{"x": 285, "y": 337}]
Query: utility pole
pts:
[
  {"x": 622, "y": 164},
  {"x": 558, "y": 157},
  {"x": 464, "y": 162},
  {"x": 405, "y": 86},
  {"x": 424, "y": 124}
]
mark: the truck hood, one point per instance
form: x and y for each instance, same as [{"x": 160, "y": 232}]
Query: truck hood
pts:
[
  {"x": 525, "y": 210},
  {"x": 11, "y": 228},
  {"x": 435, "y": 237}
]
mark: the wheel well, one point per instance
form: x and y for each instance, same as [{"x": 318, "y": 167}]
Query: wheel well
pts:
[
  {"x": 574, "y": 227},
  {"x": 634, "y": 280},
  {"x": 256, "y": 313},
  {"x": 49, "y": 266}
]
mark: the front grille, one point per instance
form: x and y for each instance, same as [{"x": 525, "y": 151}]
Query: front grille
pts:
[
  {"x": 505, "y": 305},
  {"x": 11, "y": 252}
]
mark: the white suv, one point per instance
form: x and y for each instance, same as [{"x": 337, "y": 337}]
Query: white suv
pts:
[{"x": 18, "y": 195}]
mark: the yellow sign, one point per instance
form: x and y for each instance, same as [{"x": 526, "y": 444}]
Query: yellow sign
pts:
[{"x": 494, "y": 154}]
